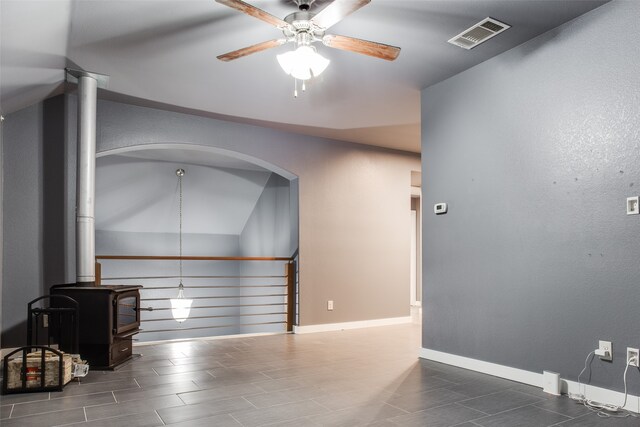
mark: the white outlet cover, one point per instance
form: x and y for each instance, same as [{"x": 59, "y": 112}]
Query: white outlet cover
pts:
[
  {"x": 633, "y": 205},
  {"x": 635, "y": 351},
  {"x": 605, "y": 347}
]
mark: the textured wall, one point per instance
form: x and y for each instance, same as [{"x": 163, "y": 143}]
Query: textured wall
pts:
[
  {"x": 22, "y": 247},
  {"x": 36, "y": 191},
  {"x": 354, "y": 226},
  {"x": 536, "y": 151}
]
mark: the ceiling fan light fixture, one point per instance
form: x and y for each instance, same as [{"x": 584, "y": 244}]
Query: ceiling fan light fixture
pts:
[{"x": 303, "y": 63}]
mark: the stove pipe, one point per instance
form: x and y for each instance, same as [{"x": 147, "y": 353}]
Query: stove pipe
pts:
[{"x": 88, "y": 84}]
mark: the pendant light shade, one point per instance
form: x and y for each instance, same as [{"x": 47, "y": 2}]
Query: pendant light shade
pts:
[
  {"x": 303, "y": 63},
  {"x": 180, "y": 306}
]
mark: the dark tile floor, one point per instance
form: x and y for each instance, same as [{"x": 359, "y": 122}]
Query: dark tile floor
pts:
[{"x": 348, "y": 378}]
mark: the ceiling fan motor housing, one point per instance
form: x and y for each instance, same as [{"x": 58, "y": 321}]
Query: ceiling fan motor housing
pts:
[
  {"x": 300, "y": 23},
  {"x": 304, "y": 5}
]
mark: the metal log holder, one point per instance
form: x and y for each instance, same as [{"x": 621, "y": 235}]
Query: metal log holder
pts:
[
  {"x": 24, "y": 373},
  {"x": 60, "y": 320}
]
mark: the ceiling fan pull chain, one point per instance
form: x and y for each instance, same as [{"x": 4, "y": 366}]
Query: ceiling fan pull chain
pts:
[
  {"x": 295, "y": 88},
  {"x": 304, "y": 86}
]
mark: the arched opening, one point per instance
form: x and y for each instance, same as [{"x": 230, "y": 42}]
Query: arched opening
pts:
[{"x": 233, "y": 207}]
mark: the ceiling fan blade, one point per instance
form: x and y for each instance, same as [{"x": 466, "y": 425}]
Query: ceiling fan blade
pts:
[
  {"x": 336, "y": 11},
  {"x": 365, "y": 47},
  {"x": 255, "y": 12},
  {"x": 230, "y": 56}
]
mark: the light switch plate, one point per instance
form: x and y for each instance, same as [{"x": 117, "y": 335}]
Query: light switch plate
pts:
[
  {"x": 440, "y": 208},
  {"x": 633, "y": 207}
]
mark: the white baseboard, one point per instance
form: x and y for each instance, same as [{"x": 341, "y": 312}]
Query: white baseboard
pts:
[
  {"x": 328, "y": 327},
  {"x": 494, "y": 369},
  {"x": 594, "y": 393}
]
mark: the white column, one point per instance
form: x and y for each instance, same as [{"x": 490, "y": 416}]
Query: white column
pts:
[
  {"x": 86, "y": 173},
  {"x": 86, "y": 180}
]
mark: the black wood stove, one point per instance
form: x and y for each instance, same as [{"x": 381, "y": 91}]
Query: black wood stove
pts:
[{"x": 109, "y": 318}]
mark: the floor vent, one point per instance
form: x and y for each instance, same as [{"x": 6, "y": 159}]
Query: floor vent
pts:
[{"x": 479, "y": 33}]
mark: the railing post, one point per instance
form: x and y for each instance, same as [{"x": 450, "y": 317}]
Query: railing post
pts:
[
  {"x": 290, "y": 274},
  {"x": 98, "y": 274}
]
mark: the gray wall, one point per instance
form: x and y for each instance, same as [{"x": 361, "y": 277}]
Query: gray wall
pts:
[
  {"x": 536, "y": 151},
  {"x": 271, "y": 230},
  {"x": 268, "y": 229},
  {"x": 22, "y": 203},
  {"x": 135, "y": 243},
  {"x": 35, "y": 210},
  {"x": 1, "y": 216}
]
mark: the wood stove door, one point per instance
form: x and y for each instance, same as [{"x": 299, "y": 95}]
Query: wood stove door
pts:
[{"x": 126, "y": 313}]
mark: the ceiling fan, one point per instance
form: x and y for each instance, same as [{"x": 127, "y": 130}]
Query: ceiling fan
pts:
[{"x": 304, "y": 28}]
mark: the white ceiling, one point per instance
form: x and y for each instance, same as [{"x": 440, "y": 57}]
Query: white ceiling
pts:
[{"x": 164, "y": 51}]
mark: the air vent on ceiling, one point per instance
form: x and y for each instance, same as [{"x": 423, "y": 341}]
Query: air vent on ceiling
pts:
[{"x": 479, "y": 33}]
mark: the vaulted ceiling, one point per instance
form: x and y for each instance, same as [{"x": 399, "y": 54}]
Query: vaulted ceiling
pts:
[
  {"x": 163, "y": 52},
  {"x": 138, "y": 192}
]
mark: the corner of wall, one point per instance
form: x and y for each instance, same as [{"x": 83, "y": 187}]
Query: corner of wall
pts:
[{"x": 1, "y": 216}]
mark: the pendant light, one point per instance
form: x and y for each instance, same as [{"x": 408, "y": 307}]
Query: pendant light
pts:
[{"x": 180, "y": 306}]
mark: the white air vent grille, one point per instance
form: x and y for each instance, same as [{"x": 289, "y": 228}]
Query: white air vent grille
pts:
[{"x": 479, "y": 33}]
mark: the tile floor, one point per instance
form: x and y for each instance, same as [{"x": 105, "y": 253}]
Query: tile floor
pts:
[{"x": 348, "y": 378}]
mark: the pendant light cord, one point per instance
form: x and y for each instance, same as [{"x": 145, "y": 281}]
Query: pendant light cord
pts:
[
  {"x": 180, "y": 214},
  {"x": 180, "y": 306},
  {"x": 180, "y": 174}
]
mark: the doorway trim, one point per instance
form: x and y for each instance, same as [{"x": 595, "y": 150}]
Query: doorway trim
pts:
[{"x": 415, "y": 287}]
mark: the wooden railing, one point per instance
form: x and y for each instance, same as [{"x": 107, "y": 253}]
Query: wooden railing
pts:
[{"x": 245, "y": 301}]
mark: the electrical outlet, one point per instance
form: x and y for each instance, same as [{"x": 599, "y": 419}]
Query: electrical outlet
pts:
[
  {"x": 330, "y": 305},
  {"x": 605, "y": 350},
  {"x": 631, "y": 353}
]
